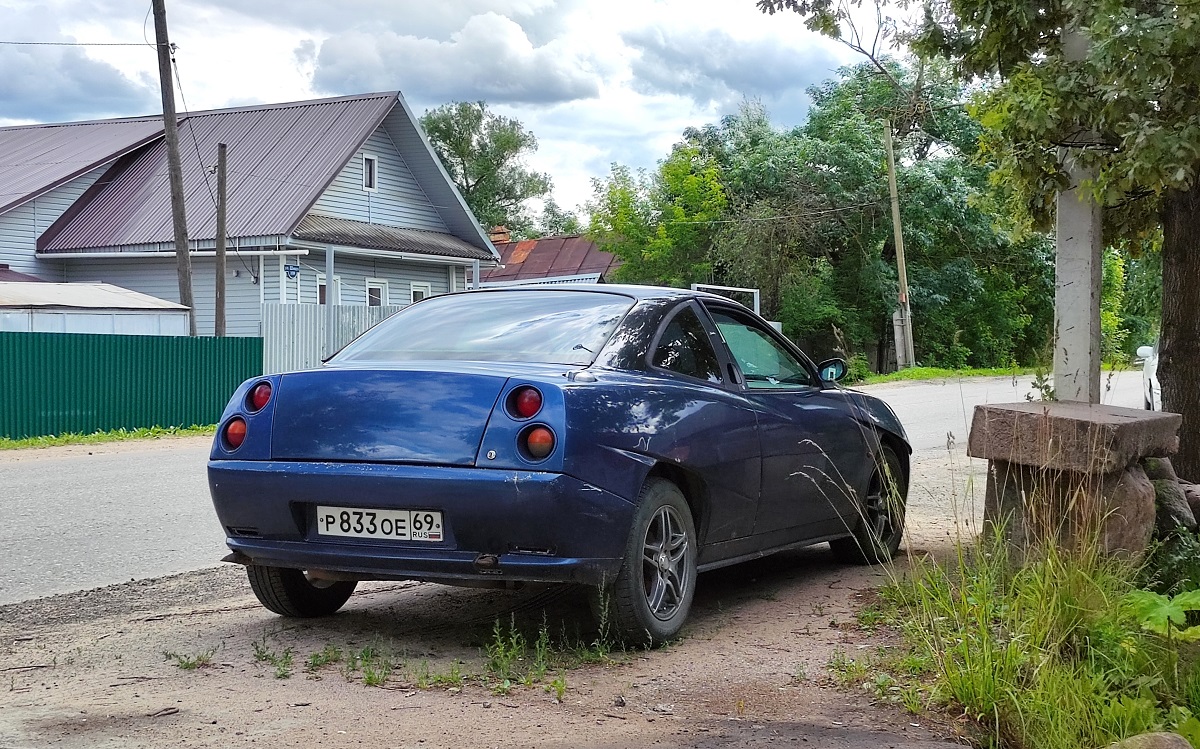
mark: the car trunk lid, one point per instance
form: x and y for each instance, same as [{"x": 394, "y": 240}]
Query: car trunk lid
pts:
[{"x": 384, "y": 415}]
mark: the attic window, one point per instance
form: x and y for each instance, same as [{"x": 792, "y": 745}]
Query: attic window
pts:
[{"x": 370, "y": 173}]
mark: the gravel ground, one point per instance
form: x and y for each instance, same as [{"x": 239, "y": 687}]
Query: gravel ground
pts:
[{"x": 88, "y": 669}]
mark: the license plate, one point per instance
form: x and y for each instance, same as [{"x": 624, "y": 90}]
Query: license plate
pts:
[{"x": 394, "y": 525}]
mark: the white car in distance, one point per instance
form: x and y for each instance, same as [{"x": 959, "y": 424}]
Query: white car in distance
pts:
[{"x": 1151, "y": 390}]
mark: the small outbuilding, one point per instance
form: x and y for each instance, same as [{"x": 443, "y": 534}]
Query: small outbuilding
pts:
[{"x": 40, "y": 307}]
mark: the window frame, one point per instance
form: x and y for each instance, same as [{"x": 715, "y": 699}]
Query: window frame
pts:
[
  {"x": 371, "y": 185},
  {"x": 709, "y": 329},
  {"x": 337, "y": 289},
  {"x": 425, "y": 287},
  {"x": 382, "y": 285},
  {"x": 774, "y": 335}
]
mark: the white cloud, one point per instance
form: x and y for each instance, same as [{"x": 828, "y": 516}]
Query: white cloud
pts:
[
  {"x": 490, "y": 58},
  {"x": 596, "y": 82}
]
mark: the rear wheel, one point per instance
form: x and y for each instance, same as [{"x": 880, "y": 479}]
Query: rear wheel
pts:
[
  {"x": 880, "y": 522},
  {"x": 652, "y": 594},
  {"x": 290, "y": 592}
]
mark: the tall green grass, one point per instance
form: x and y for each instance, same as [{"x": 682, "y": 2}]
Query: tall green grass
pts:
[{"x": 1046, "y": 654}]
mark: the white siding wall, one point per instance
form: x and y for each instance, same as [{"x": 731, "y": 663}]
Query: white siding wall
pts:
[
  {"x": 354, "y": 272},
  {"x": 398, "y": 201},
  {"x": 20, "y": 227},
  {"x": 158, "y": 278},
  {"x": 275, "y": 275},
  {"x": 115, "y": 322}
]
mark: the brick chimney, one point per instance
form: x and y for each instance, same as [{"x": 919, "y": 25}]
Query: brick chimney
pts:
[{"x": 500, "y": 235}]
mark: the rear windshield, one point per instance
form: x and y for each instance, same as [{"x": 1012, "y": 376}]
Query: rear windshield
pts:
[{"x": 555, "y": 327}]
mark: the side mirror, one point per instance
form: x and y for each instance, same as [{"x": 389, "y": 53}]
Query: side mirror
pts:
[
  {"x": 1145, "y": 352},
  {"x": 832, "y": 370}
]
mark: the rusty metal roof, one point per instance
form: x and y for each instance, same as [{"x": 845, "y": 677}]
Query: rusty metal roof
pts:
[
  {"x": 37, "y": 158},
  {"x": 551, "y": 257},
  {"x": 339, "y": 231},
  {"x": 281, "y": 158}
]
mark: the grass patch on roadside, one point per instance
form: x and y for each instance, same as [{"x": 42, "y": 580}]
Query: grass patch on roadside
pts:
[
  {"x": 513, "y": 657},
  {"x": 187, "y": 662},
  {"x": 112, "y": 435},
  {"x": 1064, "y": 651},
  {"x": 937, "y": 373}
]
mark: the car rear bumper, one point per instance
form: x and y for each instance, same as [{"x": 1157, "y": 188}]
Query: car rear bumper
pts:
[{"x": 500, "y": 525}]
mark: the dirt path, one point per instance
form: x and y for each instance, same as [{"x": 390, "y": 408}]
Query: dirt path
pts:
[{"x": 88, "y": 669}]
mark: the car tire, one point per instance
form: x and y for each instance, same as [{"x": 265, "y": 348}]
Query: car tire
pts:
[
  {"x": 648, "y": 602},
  {"x": 880, "y": 522},
  {"x": 290, "y": 592}
]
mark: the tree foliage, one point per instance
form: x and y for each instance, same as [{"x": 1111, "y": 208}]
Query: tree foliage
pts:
[
  {"x": 483, "y": 153},
  {"x": 802, "y": 214},
  {"x": 660, "y": 224}
]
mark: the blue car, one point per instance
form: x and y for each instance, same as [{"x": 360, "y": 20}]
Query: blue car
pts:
[{"x": 624, "y": 438}]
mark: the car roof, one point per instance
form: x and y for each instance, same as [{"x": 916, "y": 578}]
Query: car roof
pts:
[{"x": 639, "y": 292}]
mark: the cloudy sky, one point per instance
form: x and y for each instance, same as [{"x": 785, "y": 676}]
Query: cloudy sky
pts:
[{"x": 597, "y": 81}]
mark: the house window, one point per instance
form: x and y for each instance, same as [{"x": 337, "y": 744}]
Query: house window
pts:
[
  {"x": 337, "y": 289},
  {"x": 370, "y": 173},
  {"x": 377, "y": 292},
  {"x": 420, "y": 291}
]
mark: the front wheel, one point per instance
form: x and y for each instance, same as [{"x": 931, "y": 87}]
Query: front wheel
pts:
[
  {"x": 290, "y": 592},
  {"x": 649, "y": 601},
  {"x": 879, "y": 524}
]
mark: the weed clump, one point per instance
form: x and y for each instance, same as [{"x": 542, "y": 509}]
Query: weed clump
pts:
[{"x": 1059, "y": 652}]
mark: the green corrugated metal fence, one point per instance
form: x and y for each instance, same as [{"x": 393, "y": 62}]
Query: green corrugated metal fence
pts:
[{"x": 53, "y": 383}]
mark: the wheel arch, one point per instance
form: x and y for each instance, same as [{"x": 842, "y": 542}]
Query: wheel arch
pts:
[
  {"x": 903, "y": 454},
  {"x": 694, "y": 491}
]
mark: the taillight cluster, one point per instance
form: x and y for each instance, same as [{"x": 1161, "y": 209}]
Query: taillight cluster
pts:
[
  {"x": 535, "y": 441},
  {"x": 234, "y": 433}
]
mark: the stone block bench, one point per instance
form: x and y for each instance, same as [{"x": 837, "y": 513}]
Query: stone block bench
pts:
[{"x": 1068, "y": 473}]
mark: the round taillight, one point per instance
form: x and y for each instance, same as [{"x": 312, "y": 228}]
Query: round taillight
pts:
[
  {"x": 235, "y": 432},
  {"x": 539, "y": 442},
  {"x": 526, "y": 402},
  {"x": 260, "y": 396}
]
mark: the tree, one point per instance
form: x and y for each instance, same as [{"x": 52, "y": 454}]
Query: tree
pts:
[
  {"x": 660, "y": 225},
  {"x": 1130, "y": 108},
  {"x": 556, "y": 222},
  {"x": 483, "y": 153},
  {"x": 1128, "y": 105}
]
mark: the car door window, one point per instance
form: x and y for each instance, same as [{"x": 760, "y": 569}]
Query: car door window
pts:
[
  {"x": 684, "y": 348},
  {"x": 764, "y": 362}
]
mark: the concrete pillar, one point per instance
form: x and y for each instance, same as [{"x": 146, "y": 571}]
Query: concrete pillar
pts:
[{"x": 1078, "y": 271}]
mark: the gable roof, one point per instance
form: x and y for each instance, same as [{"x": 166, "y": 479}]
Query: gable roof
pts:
[
  {"x": 35, "y": 159},
  {"x": 551, "y": 257},
  {"x": 281, "y": 158}
]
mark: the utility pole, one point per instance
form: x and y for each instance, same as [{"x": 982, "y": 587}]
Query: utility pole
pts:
[
  {"x": 902, "y": 318},
  {"x": 219, "y": 303},
  {"x": 1078, "y": 269},
  {"x": 174, "y": 170}
]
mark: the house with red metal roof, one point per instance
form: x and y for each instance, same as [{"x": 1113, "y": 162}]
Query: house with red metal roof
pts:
[
  {"x": 567, "y": 259},
  {"x": 353, "y": 176}
]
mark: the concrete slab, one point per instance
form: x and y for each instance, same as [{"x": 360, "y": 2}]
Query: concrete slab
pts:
[{"x": 1070, "y": 436}]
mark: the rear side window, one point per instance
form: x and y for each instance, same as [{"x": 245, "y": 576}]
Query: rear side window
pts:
[
  {"x": 684, "y": 348},
  {"x": 554, "y": 327}
]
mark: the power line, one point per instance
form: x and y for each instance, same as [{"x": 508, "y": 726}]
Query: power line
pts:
[{"x": 79, "y": 44}]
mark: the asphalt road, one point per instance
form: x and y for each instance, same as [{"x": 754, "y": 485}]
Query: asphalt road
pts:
[{"x": 78, "y": 518}]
